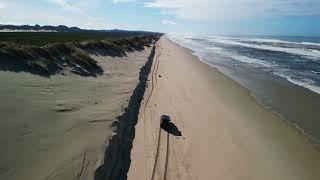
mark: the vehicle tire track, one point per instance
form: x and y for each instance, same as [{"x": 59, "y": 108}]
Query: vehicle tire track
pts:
[
  {"x": 156, "y": 161},
  {"x": 145, "y": 107},
  {"x": 157, "y": 156},
  {"x": 153, "y": 84},
  {"x": 167, "y": 159},
  {"x": 157, "y": 67},
  {"x": 159, "y": 134},
  {"x": 154, "y": 71}
]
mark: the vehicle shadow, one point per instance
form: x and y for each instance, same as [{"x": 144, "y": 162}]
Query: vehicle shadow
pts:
[{"x": 171, "y": 128}]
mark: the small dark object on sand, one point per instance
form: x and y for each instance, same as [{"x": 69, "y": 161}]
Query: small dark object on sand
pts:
[
  {"x": 165, "y": 121},
  {"x": 159, "y": 76},
  {"x": 168, "y": 126},
  {"x": 165, "y": 118}
]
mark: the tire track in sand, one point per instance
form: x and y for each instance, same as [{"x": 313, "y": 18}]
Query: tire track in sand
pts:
[
  {"x": 153, "y": 82},
  {"x": 167, "y": 159},
  {"x": 158, "y": 154}
]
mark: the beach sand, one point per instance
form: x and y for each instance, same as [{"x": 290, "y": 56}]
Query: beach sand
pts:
[
  {"x": 57, "y": 128},
  {"x": 225, "y": 133}
]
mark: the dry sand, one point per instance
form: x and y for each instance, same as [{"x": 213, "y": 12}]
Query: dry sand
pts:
[
  {"x": 57, "y": 128},
  {"x": 226, "y": 134}
]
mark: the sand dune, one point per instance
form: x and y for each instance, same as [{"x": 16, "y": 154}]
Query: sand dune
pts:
[
  {"x": 66, "y": 58},
  {"x": 57, "y": 128},
  {"x": 225, "y": 133}
]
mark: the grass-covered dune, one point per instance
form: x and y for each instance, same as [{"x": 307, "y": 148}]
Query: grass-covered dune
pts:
[
  {"x": 43, "y": 38},
  {"x": 47, "y": 54}
]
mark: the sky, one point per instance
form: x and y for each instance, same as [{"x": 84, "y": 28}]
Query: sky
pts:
[{"x": 219, "y": 17}]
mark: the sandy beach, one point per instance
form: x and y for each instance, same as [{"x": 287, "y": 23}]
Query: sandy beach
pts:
[
  {"x": 57, "y": 128},
  {"x": 225, "y": 133}
]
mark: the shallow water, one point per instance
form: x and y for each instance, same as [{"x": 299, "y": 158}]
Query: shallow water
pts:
[
  {"x": 282, "y": 73},
  {"x": 296, "y": 59}
]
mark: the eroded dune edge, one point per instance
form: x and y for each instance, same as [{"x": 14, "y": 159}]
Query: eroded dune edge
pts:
[
  {"x": 65, "y": 58},
  {"x": 117, "y": 155},
  {"x": 68, "y": 118}
]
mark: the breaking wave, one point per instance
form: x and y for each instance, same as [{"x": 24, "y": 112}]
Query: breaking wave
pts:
[{"x": 294, "y": 59}]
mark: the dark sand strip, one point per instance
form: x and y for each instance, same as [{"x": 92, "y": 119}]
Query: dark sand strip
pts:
[{"x": 117, "y": 155}]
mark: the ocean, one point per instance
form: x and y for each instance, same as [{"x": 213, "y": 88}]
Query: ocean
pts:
[
  {"x": 296, "y": 59},
  {"x": 281, "y": 72}
]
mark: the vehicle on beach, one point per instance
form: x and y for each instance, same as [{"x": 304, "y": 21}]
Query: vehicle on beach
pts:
[{"x": 165, "y": 121}]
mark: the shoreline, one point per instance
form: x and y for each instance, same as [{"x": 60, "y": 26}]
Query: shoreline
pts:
[
  {"x": 220, "y": 138},
  {"x": 315, "y": 141}
]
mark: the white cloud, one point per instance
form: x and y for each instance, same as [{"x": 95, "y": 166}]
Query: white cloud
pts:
[
  {"x": 235, "y": 9},
  {"x": 59, "y": 12},
  {"x": 168, "y": 22},
  {"x": 122, "y": 1},
  {"x": 67, "y": 6}
]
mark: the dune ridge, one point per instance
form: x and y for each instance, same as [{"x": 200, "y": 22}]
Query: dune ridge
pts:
[{"x": 66, "y": 58}]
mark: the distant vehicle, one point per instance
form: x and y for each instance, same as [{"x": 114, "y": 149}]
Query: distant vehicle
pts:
[{"x": 165, "y": 121}]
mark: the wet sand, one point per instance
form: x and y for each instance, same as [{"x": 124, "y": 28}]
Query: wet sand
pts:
[
  {"x": 296, "y": 104},
  {"x": 225, "y": 133},
  {"x": 57, "y": 128}
]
